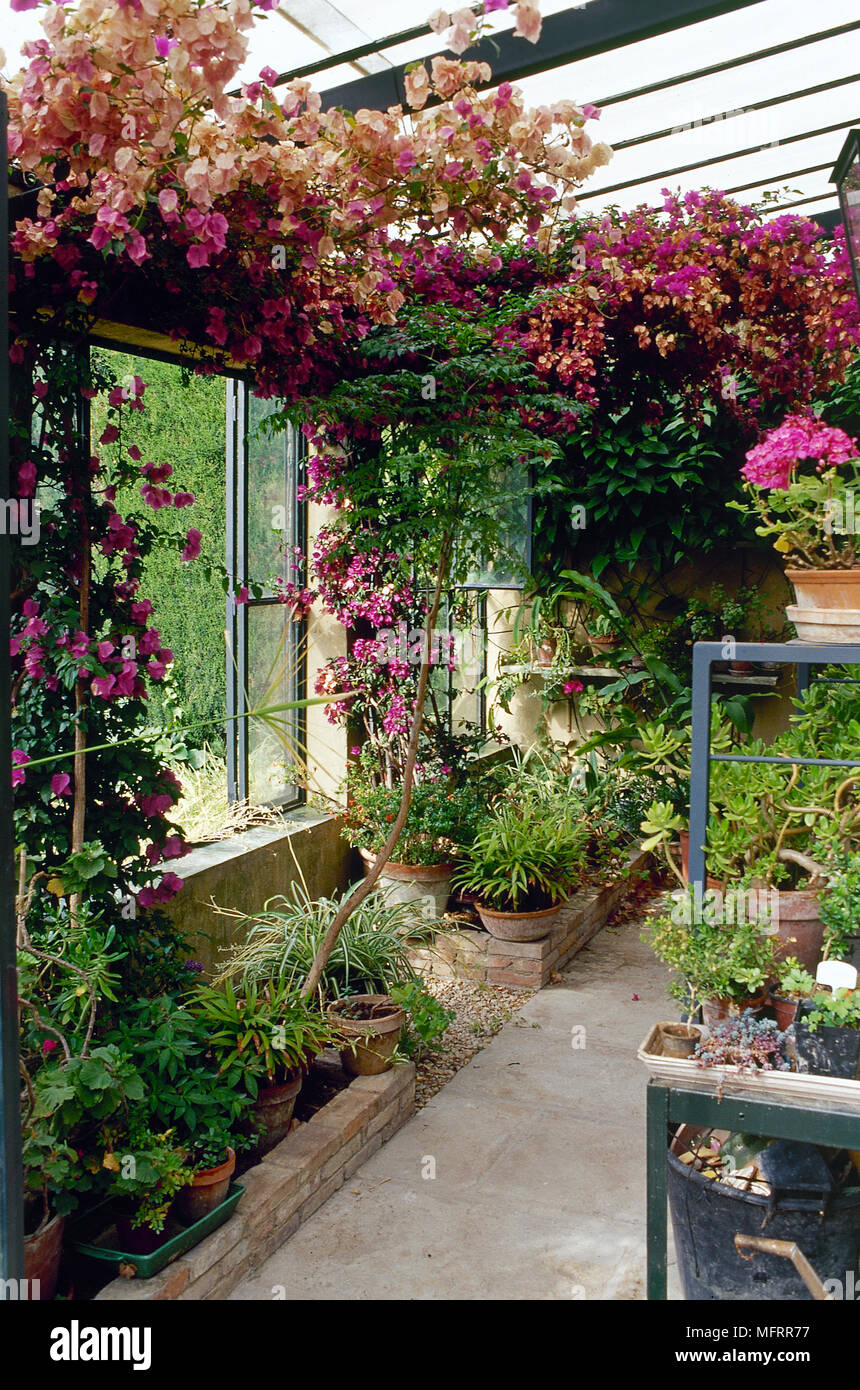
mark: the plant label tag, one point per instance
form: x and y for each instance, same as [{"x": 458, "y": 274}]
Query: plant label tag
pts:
[{"x": 838, "y": 974}]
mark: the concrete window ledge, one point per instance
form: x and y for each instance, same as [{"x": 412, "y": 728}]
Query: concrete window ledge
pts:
[{"x": 283, "y": 1190}]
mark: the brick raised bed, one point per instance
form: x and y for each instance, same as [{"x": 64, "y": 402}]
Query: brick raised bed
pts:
[
  {"x": 283, "y": 1190},
  {"x": 469, "y": 954}
]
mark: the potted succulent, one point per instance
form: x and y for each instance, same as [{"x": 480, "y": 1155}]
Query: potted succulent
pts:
[
  {"x": 720, "y": 967},
  {"x": 602, "y": 633},
  {"x": 800, "y": 482},
  {"x": 441, "y": 816},
  {"x": 264, "y": 1036},
  {"x": 522, "y": 866}
]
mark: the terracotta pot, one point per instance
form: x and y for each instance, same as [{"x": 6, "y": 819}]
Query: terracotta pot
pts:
[
  {"x": 602, "y": 646},
  {"x": 679, "y": 1039},
  {"x": 373, "y": 1041},
  {"x": 826, "y": 589},
  {"x": 716, "y": 884},
  {"x": 742, "y": 668},
  {"x": 42, "y": 1252},
  {"x": 207, "y": 1190},
  {"x": 427, "y": 885},
  {"x": 828, "y": 604},
  {"x": 273, "y": 1112},
  {"x": 519, "y": 926},
  {"x": 800, "y": 931},
  {"x": 545, "y": 652},
  {"x": 718, "y": 1010},
  {"x": 784, "y": 1010}
]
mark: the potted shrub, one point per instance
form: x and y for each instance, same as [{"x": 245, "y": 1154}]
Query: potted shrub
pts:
[
  {"x": 827, "y": 1034},
  {"x": 146, "y": 1171},
  {"x": 720, "y": 967},
  {"x": 799, "y": 482},
  {"x": 263, "y": 1038},
  {"x": 168, "y": 1039},
  {"x": 522, "y": 866},
  {"x": 50, "y": 1171},
  {"x": 793, "y": 984},
  {"x": 212, "y": 1160}
]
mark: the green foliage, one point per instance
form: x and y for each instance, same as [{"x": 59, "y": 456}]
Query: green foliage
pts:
[
  {"x": 441, "y": 816},
  {"x": 711, "y": 959},
  {"x": 795, "y": 981},
  {"x": 183, "y": 425},
  {"x": 168, "y": 1040},
  {"x": 841, "y": 1009},
  {"x": 524, "y": 859},
  {"x": 259, "y": 1034},
  {"x": 146, "y": 1169},
  {"x": 840, "y": 906},
  {"x": 427, "y": 1019}
]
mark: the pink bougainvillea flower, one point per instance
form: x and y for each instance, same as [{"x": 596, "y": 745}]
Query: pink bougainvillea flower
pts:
[
  {"x": 50, "y": 1043},
  {"x": 60, "y": 783},
  {"x": 103, "y": 686},
  {"x": 591, "y": 113},
  {"x": 18, "y": 761},
  {"x": 193, "y": 541},
  {"x": 528, "y": 25},
  {"x": 241, "y": 596},
  {"x": 27, "y": 478}
]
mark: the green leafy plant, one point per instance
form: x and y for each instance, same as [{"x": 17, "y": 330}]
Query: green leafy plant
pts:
[
  {"x": 841, "y": 1009},
  {"x": 840, "y": 904},
  {"x": 260, "y": 1034},
  {"x": 146, "y": 1169},
  {"x": 371, "y": 953},
  {"x": 441, "y": 815},
  {"x": 427, "y": 1019},
  {"x": 710, "y": 959},
  {"x": 795, "y": 981},
  {"x": 523, "y": 860}
]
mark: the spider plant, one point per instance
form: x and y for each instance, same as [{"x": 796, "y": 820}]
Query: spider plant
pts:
[{"x": 370, "y": 954}]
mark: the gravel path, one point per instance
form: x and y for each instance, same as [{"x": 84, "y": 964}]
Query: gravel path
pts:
[{"x": 482, "y": 1010}]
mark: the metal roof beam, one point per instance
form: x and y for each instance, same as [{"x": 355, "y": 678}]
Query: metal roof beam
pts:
[
  {"x": 763, "y": 105},
  {"x": 566, "y": 37},
  {"x": 821, "y": 37},
  {"x": 715, "y": 159}
]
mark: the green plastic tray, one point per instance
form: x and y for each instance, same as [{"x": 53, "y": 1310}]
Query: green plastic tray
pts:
[{"x": 82, "y": 1231}]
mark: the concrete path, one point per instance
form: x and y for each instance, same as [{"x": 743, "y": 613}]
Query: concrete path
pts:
[{"x": 524, "y": 1178}]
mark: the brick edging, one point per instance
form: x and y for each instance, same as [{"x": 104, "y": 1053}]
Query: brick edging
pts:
[{"x": 284, "y": 1189}]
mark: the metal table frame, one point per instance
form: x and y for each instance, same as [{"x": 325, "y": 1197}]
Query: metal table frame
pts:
[{"x": 670, "y": 1105}]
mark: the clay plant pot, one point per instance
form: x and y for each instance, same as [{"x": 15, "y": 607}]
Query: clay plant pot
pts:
[
  {"x": 603, "y": 646},
  {"x": 828, "y": 604},
  {"x": 717, "y": 885},
  {"x": 426, "y": 885},
  {"x": 545, "y": 654},
  {"x": 42, "y": 1252},
  {"x": 519, "y": 926},
  {"x": 372, "y": 1039},
  {"x": 273, "y": 1112},
  {"x": 800, "y": 931},
  {"x": 718, "y": 1010},
  {"x": 679, "y": 1039},
  {"x": 784, "y": 1009},
  {"x": 207, "y": 1191}
]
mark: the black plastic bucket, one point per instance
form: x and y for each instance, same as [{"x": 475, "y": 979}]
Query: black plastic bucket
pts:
[{"x": 707, "y": 1215}]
